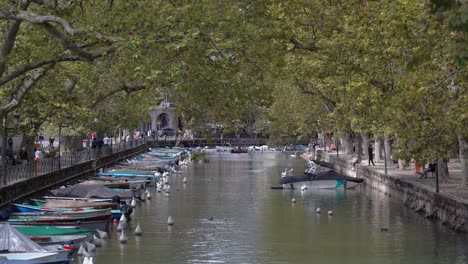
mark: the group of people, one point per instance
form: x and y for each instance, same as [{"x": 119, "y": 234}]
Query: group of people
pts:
[{"x": 431, "y": 168}]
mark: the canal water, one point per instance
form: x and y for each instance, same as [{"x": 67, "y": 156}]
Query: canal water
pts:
[{"x": 227, "y": 213}]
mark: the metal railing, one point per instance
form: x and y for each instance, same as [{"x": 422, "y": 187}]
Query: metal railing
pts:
[
  {"x": 22, "y": 172},
  {"x": 13, "y": 174}
]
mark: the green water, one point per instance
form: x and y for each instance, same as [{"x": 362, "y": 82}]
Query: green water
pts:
[{"x": 253, "y": 224}]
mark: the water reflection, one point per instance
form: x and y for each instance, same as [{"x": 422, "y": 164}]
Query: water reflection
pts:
[{"x": 227, "y": 213}]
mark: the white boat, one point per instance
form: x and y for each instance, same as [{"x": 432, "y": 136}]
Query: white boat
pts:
[
  {"x": 30, "y": 256},
  {"x": 72, "y": 240}
]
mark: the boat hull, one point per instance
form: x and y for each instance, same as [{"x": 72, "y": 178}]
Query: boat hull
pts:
[
  {"x": 92, "y": 225},
  {"x": 324, "y": 180},
  {"x": 30, "y": 256},
  {"x": 321, "y": 184},
  {"x": 73, "y": 240},
  {"x": 54, "y": 261}
]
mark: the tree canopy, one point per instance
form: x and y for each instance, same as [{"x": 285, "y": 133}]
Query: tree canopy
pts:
[{"x": 392, "y": 67}]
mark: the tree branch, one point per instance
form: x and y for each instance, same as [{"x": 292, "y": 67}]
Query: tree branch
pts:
[
  {"x": 299, "y": 45},
  {"x": 71, "y": 83},
  {"x": 35, "y": 65},
  {"x": 68, "y": 44},
  {"x": 310, "y": 89},
  {"x": 17, "y": 95},
  {"x": 9, "y": 40},
  {"x": 124, "y": 88},
  {"x": 37, "y": 19}
]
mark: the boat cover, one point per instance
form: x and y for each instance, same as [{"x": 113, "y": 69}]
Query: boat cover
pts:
[
  {"x": 11, "y": 240},
  {"x": 326, "y": 175},
  {"x": 91, "y": 191},
  {"x": 324, "y": 164}
]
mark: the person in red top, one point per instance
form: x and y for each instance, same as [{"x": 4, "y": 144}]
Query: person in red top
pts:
[{"x": 93, "y": 134}]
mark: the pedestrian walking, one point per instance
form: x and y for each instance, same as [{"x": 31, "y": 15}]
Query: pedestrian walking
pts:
[
  {"x": 38, "y": 155},
  {"x": 370, "y": 151}
]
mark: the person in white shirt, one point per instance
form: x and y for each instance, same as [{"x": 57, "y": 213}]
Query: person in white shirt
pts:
[{"x": 106, "y": 140}]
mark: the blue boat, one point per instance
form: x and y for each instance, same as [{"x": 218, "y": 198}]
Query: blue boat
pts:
[
  {"x": 25, "y": 208},
  {"x": 18, "y": 261}
]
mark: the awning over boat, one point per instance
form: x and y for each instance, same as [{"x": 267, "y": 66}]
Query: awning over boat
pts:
[
  {"x": 11, "y": 240},
  {"x": 326, "y": 175},
  {"x": 91, "y": 191}
]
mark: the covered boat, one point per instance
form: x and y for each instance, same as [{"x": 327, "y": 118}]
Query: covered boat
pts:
[
  {"x": 323, "y": 180},
  {"x": 91, "y": 191},
  {"x": 16, "y": 246},
  {"x": 74, "y": 204}
]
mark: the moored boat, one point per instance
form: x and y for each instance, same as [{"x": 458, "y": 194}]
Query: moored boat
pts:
[
  {"x": 73, "y": 204},
  {"x": 43, "y": 256},
  {"x": 4, "y": 260},
  {"x": 116, "y": 184},
  {"x": 43, "y": 213},
  {"x": 14, "y": 245},
  {"x": 324, "y": 180},
  {"x": 239, "y": 150},
  {"x": 76, "y": 224},
  {"x": 73, "y": 241},
  {"x": 91, "y": 192},
  {"x": 51, "y": 231}
]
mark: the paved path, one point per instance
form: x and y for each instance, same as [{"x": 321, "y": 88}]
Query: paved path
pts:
[{"x": 453, "y": 187}]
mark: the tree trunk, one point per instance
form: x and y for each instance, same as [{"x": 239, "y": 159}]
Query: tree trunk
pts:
[
  {"x": 378, "y": 150},
  {"x": 359, "y": 147},
  {"x": 28, "y": 143},
  {"x": 388, "y": 149},
  {"x": 442, "y": 170},
  {"x": 365, "y": 144},
  {"x": 463, "y": 152},
  {"x": 347, "y": 143},
  {"x": 401, "y": 164}
]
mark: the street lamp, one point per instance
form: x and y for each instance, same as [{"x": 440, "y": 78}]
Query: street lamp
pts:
[
  {"x": 67, "y": 124},
  {"x": 16, "y": 118}
]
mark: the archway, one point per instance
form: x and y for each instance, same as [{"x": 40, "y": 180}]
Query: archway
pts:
[{"x": 162, "y": 121}]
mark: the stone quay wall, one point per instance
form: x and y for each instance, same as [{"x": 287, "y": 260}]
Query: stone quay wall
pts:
[{"x": 448, "y": 209}]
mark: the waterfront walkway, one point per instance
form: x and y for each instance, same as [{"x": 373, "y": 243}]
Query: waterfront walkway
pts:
[{"x": 452, "y": 188}]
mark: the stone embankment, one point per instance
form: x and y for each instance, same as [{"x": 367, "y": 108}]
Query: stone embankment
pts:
[{"x": 449, "y": 206}]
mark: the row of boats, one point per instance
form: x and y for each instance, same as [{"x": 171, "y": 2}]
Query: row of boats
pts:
[{"x": 50, "y": 229}]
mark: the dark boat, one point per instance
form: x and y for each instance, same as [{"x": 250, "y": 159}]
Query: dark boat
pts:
[
  {"x": 239, "y": 150},
  {"x": 323, "y": 180}
]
